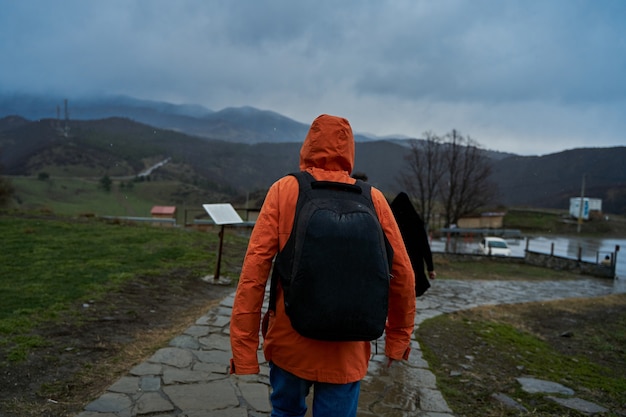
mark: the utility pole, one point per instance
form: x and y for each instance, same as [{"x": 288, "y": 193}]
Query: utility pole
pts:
[
  {"x": 67, "y": 119},
  {"x": 582, "y": 202}
]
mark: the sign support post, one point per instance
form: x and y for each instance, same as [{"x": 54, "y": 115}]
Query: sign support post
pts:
[
  {"x": 216, "y": 276},
  {"x": 221, "y": 214}
]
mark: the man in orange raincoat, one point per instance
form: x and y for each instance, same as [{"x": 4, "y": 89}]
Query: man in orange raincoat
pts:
[{"x": 335, "y": 369}]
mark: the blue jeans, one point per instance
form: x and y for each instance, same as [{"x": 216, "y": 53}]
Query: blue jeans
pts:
[{"x": 329, "y": 400}]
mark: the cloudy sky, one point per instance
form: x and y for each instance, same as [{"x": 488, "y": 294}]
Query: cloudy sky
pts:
[{"x": 529, "y": 76}]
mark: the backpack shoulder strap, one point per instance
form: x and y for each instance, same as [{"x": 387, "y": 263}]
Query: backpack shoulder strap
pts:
[{"x": 304, "y": 183}]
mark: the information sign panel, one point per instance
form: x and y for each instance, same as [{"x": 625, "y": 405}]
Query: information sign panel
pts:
[{"x": 222, "y": 213}]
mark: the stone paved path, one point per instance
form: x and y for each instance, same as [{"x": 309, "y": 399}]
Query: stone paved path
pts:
[{"x": 189, "y": 378}]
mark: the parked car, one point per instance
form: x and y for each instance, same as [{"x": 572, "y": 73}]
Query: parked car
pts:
[{"x": 494, "y": 246}]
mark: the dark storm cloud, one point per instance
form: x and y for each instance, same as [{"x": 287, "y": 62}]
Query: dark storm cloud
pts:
[{"x": 524, "y": 76}]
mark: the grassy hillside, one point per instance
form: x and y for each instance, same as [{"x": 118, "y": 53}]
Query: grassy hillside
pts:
[
  {"x": 558, "y": 222},
  {"x": 205, "y": 170},
  {"x": 71, "y": 196},
  {"x": 228, "y": 171},
  {"x": 83, "y": 196}
]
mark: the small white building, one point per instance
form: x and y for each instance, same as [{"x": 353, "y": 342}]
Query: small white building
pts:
[{"x": 591, "y": 206}]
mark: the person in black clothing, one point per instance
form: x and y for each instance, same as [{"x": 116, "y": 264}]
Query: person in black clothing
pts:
[
  {"x": 414, "y": 235},
  {"x": 416, "y": 241}
]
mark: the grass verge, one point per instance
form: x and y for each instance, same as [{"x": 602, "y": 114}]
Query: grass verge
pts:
[
  {"x": 577, "y": 343},
  {"x": 493, "y": 268}
]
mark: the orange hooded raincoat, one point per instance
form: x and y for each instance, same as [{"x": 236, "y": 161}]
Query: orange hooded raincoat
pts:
[{"x": 328, "y": 154}]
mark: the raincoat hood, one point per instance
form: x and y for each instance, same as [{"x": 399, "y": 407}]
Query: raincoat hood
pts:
[{"x": 329, "y": 145}]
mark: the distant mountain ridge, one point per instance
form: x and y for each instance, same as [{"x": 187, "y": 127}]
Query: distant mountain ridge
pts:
[
  {"x": 243, "y": 124},
  {"x": 239, "y": 150},
  {"x": 551, "y": 180}
]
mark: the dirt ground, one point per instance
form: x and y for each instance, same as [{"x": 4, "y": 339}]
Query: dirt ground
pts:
[{"x": 93, "y": 346}]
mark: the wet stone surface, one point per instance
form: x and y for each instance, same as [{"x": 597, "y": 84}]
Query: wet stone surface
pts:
[{"x": 190, "y": 377}]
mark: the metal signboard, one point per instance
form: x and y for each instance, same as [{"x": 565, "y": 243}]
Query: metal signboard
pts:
[{"x": 222, "y": 213}]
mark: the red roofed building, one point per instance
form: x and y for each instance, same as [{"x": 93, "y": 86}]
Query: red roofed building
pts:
[{"x": 164, "y": 212}]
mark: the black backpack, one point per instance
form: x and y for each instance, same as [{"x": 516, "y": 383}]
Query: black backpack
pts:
[{"x": 335, "y": 266}]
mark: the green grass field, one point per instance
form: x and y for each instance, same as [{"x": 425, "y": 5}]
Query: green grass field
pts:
[
  {"x": 73, "y": 196},
  {"x": 48, "y": 265}
]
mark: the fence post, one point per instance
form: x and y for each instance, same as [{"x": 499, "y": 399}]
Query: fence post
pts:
[{"x": 614, "y": 263}]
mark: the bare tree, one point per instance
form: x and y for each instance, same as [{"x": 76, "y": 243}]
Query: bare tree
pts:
[
  {"x": 450, "y": 181},
  {"x": 452, "y": 172},
  {"x": 466, "y": 185},
  {"x": 425, "y": 171}
]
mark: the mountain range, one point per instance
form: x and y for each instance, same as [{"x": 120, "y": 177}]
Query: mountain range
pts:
[{"x": 236, "y": 151}]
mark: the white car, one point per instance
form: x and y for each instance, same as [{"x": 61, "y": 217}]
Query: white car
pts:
[{"x": 494, "y": 246}]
